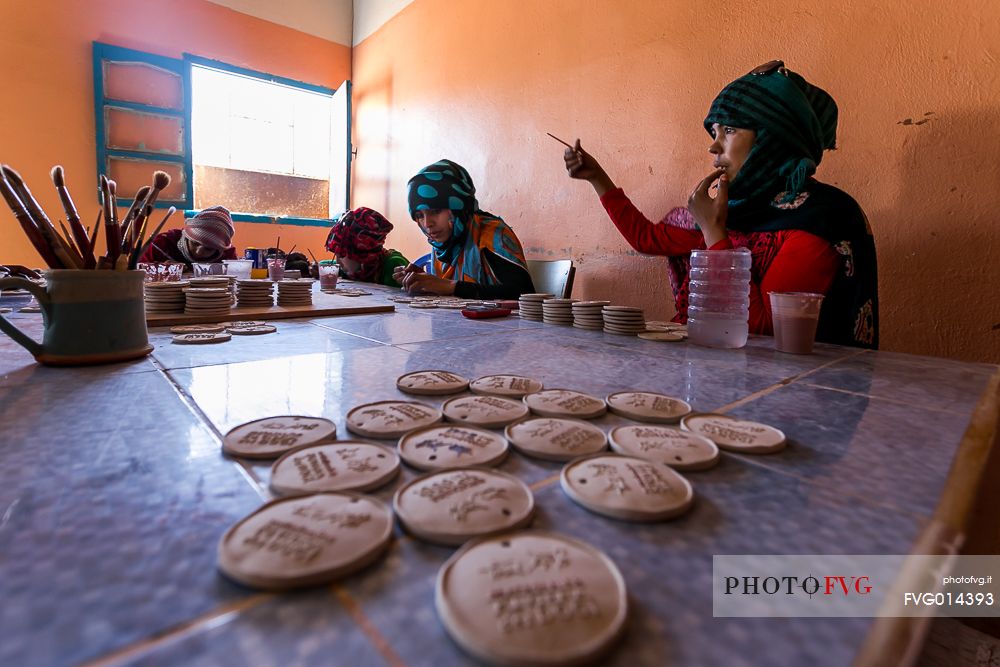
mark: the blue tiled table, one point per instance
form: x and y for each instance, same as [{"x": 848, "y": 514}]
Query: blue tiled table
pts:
[{"x": 114, "y": 491}]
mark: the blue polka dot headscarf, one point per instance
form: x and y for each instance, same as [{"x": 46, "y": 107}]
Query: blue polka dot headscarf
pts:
[{"x": 443, "y": 185}]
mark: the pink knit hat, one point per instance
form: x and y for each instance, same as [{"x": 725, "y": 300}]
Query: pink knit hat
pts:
[{"x": 212, "y": 228}]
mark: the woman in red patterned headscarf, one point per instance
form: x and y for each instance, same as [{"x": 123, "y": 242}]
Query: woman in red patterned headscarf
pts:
[{"x": 358, "y": 241}]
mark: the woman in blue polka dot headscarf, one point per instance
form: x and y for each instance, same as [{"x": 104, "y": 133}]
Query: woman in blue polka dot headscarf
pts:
[{"x": 476, "y": 254}]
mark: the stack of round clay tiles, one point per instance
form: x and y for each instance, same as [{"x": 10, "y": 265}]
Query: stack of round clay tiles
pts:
[
  {"x": 207, "y": 300},
  {"x": 165, "y": 297},
  {"x": 253, "y": 293},
  {"x": 623, "y": 320},
  {"x": 221, "y": 282},
  {"x": 294, "y": 292},
  {"x": 558, "y": 311},
  {"x": 530, "y": 306},
  {"x": 588, "y": 315}
]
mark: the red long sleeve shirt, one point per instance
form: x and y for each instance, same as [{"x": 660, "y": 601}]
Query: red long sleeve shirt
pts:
[{"x": 804, "y": 262}]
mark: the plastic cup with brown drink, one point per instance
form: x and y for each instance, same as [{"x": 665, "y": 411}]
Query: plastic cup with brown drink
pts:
[
  {"x": 795, "y": 316},
  {"x": 276, "y": 268}
]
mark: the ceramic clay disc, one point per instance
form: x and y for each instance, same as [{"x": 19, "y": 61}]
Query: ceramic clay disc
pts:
[
  {"x": 678, "y": 449},
  {"x": 201, "y": 338},
  {"x": 5, "y": 310},
  {"x": 272, "y": 436},
  {"x": 531, "y": 597},
  {"x": 391, "y": 419},
  {"x": 511, "y": 386},
  {"x": 198, "y": 328},
  {"x": 736, "y": 435},
  {"x": 624, "y": 487},
  {"x": 344, "y": 465},
  {"x": 31, "y": 309},
  {"x": 451, "y": 507},
  {"x": 556, "y": 439},
  {"x": 565, "y": 403},
  {"x": 244, "y": 324},
  {"x": 485, "y": 411},
  {"x": 432, "y": 383},
  {"x": 452, "y": 446},
  {"x": 663, "y": 336},
  {"x": 252, "y": 331},
  {"x": 306, "y": 540},
  {"x": 645, "y": 406}
]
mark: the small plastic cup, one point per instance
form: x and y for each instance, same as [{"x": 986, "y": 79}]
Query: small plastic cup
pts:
[
  {"x": 238, "y": 267},
  {"x": 795, "y": 316},
  {"x": 209, "y": 269},
  {"x": 276, "y": 268},
  {"x": 161, "y": 272},
  {"x": 328, "y": 274}
]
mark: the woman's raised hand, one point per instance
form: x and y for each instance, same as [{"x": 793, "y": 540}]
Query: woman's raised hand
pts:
[
  {"x": 711, "y": 214},
  {"x": 582, "y": 165}
]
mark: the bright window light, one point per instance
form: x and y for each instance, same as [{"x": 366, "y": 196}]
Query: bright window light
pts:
[{"x": 240, "y": 122}]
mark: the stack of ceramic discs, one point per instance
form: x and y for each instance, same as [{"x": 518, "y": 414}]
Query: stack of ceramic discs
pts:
[
  {"x": 587, "y": 314},
  {"x": 624, "y": 320},
  {"x": 294, "y": 292},
  {"x": 210, "y": 281},
  {"x": 531, "y": 306},
  {"x": 558, "y": 311},
  {"x": 232, "y": 288},
  {"x": 165, "y": 297},
  {"x": 207, "y": 300},
  {"x": 257, "y": 293}
]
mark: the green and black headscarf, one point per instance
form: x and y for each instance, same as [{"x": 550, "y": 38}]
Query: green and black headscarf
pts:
[{"x": 795, "y": 122}]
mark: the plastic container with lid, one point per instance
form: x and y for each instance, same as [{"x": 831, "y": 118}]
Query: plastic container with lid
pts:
[{"x": 719, "y": 297}]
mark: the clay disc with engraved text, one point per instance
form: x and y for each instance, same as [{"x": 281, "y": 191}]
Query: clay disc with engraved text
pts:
[
  {"x": 451, "y": 507},
  {"x": 197, "y": 328},
  {"x": 432, "y": 383},
  {"x": 556, "y": 439},
  {"x": 646, "y": 406},
  {"x": 201, "y": 338},
  {"x": 271, "y": 437},
  {"x": 532, "y": 597},
  {"x": 681, "y": 450},
  {"x": 452, "y": 446},
  {"x": 625, "y": 487},
  {"x": 344, "y": 465},
  {"x": 565, "y": 403},
  {"x": 391, "y": 419},
  {"x": 509, "y": 386},
  {"x": 305, "y": 540},
  {"x": 736, "y": 435},
  {"x": 485, "y": 411}
]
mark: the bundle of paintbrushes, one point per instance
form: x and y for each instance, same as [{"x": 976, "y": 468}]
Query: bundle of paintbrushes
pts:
[{"x": 75, "y": 248}]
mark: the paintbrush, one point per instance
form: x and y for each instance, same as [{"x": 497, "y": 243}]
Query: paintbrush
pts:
[
  {"x": 161, "y": 180},
  {"x": 93, "y": 233},
  {"x": 313, "y": 256},
  {"x": 73, "y": 218},
  {"x": 111, "y": 231},
  {"x": 41, "y": 220},
  {"x": 293, "y": 249},
  {"x": 141, "y": 247},
  {"x": 128, "y": 222},
  {"x": 28, "y": 225},
  {"x": 561, "y": 141}
]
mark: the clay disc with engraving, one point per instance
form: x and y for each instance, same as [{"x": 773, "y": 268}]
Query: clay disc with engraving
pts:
[
  {"x": 451, "y": 507},
  {"x": 391, "y": 419},
  {"x": 271, "y": 437},
  {"x": 565, "y": 403},
  {"x": 252, "y": 331},
  {"x": 485, "y": 411},
  {"x": 305, "y": 540},
  {"x": 532, "y": 597},
  {"x": 645, "y": 406},
  {"x": 624, "y": 487},
  {"x": 201, "y": 338},
  {"x": 736, "y": 435},
  {"x": 556, "y": 439},
  {"x": 237, "y": 324},
  {"x": 510, "y": 386},
  {"x": 681, "y": 450},
  {"x": 452, "y": 446},
  {"x": 344, "y": 465},
  {"x": 432, "y": 383},
  {"x": 197, "y": 328}
]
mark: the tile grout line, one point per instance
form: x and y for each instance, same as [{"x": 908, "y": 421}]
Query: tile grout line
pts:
[
  {"x": 378, "y": 641},
  {"x": 240, "y": 465},
  {"x": 882, "y": 398},
  {"x": 214, "y": 618}
]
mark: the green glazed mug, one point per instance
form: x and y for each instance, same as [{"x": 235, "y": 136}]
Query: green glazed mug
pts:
[{"x": 90, "y": 317}]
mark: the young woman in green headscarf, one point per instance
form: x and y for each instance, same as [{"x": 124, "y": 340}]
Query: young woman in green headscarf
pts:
[
  {"x": 476, "y": 255},
  {"x": 769, "y": 129}
]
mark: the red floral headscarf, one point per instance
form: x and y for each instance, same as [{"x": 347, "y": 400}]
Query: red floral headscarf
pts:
[{"x": 360, "y": 235}]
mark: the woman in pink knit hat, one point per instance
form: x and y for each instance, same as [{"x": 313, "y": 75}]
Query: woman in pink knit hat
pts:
[{"x": 207, "y": 237}]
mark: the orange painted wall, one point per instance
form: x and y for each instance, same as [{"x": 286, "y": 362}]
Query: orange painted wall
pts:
[
  {"x": 48, "y": 110},
  {"x": 918, "y": 85}
]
